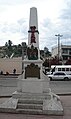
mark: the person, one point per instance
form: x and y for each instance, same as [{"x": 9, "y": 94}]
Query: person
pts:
[
  {"x": 14, "y": 71},
  {"x": 7, "y": 73},
  {"x": 1, "y": 72},
  {"x": 53, "y": 70}
]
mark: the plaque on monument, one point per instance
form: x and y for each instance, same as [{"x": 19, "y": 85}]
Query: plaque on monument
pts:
[{"x": 32, "y": 70}]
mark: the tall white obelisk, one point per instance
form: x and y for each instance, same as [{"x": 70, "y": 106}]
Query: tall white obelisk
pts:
[
  {"x": 33, "y": 95},
  {"x": 33, "y": 34}
]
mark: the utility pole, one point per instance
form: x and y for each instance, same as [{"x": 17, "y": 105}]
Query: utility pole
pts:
[{"x": 58, "y": 35}]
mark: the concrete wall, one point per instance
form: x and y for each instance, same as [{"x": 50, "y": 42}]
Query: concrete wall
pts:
[{"x": 10, "y": 64}]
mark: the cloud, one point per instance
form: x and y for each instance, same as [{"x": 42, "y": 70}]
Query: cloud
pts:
[
  {"x": 61, "y": 26},
  {"x": 66, "y": 13},
  {"x": 16, "y": 32},
  {"x": 65, "y": 23},
  {"x": 52, "y": 19},
  {"x": 13, "y": 28},
  {"x": 48, "y": 29},
  {"x": 13, "y": 2},
  {"x": 21, "y": 21}
]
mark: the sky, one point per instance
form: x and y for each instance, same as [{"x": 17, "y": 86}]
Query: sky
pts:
[{"x": 54, "y": 17}]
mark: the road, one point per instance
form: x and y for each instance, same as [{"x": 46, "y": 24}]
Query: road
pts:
[
  {"x": 60, "y": 87},
  {"x": 8, "y": 86}
]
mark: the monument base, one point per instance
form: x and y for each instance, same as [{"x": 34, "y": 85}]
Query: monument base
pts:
[{"x": 33, "y": 97}]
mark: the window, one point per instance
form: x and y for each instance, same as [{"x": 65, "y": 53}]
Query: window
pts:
[
  {"x": 59, "y": 73},
  {"x": 69, "y": 51},
  {"x": 59, "y": 69},
  {"x": 63, "y": 69},
  {"x": 65, "y": 51},
  {"x": 67, "y": 69},
  {"x": 62, "y": 74},
  {"x": 56, "y": 74},
  {"x": 65, "y": 58}
]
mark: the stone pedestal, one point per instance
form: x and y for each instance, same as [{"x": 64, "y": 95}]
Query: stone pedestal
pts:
[
  {"x": 33, "y": 96},
  {"x": 33, "y": 85}
]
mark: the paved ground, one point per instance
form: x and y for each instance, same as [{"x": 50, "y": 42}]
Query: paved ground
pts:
[
  {"x": 66, "y": 102},
  {"x": 8, "y": 86},
  {"x": 61, "y": 87}
]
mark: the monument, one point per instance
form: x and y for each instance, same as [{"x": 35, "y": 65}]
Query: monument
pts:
[{"x": 33, "y": 95}]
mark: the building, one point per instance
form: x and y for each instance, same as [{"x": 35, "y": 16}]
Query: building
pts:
[{"x": 64, "y": 54}]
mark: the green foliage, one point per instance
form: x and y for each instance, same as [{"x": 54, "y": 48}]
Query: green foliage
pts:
[
  {"x": 13, "y": 49},
  {"x": 46, "y": 63},
  {"x": 47, "y": 52},
  {"x": 16, "y": 50},
  {"x": 9, "y": 49}
]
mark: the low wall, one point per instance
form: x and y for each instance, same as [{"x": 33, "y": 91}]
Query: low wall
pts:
[{"x": 7, "y": 65}]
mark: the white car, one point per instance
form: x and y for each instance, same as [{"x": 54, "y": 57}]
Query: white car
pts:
[{"x": 59, "y": 76}]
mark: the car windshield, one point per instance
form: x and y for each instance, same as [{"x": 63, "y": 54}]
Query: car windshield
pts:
[{"x": 59, "y": 73}]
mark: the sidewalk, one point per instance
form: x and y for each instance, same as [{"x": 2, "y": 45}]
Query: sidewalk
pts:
[
  {"x": 7, "y": 87},
  {"x": 66, "y": 102}
]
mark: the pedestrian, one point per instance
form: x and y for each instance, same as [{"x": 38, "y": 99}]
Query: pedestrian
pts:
[
  {"x": 53, "y": 70},
  {"x": 14, "y": 71}
]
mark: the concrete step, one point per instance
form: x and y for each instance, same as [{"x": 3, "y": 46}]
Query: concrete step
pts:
[
  {"x": 30, "y": 96},
  {"x": 29, "y": 111},
  {"x": 30, "y": 101},
  {"x": 29, "y": 106}
]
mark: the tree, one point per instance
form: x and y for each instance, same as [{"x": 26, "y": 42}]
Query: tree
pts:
[
  {"x": 47, "y": 53},
  {"x": 46, "y": 63},
  {"x": 9, "y": 43},
  {"x": 9, "y": 49},
  {"x": 55, "y": 61},
  {"x": 68, "y": 62},
  {"x": 17, "y": 50}
]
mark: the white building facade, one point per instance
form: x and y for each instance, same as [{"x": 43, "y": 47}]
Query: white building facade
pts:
[{"x": 64, "y": 54}]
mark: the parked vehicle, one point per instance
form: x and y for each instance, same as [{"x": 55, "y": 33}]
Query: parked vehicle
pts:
[
  {"x": 59, "y": 76},
  {"x": 60, "y": 68}
]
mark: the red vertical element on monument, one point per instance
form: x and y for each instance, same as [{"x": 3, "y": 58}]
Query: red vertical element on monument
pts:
[{"x": 33, "y": 34}]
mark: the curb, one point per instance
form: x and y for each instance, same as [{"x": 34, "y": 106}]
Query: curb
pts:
[{"x": 61, "y": 94}]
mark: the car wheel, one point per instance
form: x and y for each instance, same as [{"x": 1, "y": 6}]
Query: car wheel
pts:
[{"x": 66, "y": 78}]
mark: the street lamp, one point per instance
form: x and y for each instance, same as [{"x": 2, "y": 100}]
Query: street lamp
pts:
[{"x": 58, "y": 35}]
